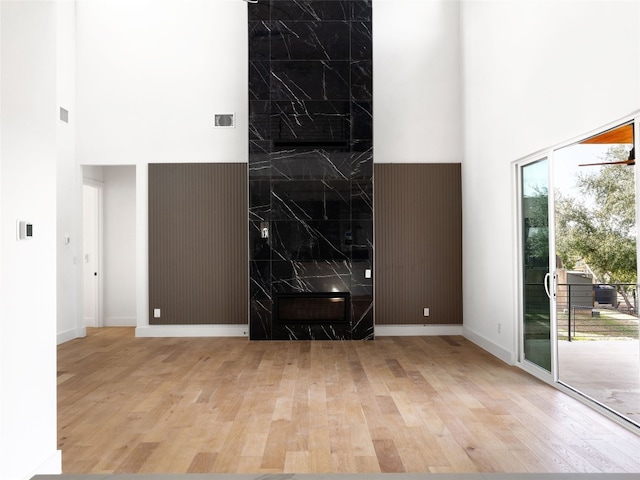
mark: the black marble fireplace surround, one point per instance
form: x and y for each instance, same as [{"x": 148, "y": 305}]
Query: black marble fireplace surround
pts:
[{"x": 310, "y": 168}]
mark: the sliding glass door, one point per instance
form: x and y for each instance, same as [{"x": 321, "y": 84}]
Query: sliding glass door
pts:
[
  {"x": 536, "y": 292},
  {"x": 578, "y": 268}
]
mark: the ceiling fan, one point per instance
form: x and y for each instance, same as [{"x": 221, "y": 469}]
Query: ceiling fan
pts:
[
  {"x": 619, "y": 135},
  {"x": 631, "y": 160}
]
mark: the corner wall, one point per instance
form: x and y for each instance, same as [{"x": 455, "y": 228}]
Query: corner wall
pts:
[
  {"x": 535, "y": 73},
  {"x": 28, "y": 154},
  {"x": 68, "y": 192}
]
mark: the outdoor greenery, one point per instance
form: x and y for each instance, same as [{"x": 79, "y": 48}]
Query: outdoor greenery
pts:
[
  {"x": 537, "y": 230},
  {"x": 600, "y": 227},
  {"x": 609, "y": 325}
]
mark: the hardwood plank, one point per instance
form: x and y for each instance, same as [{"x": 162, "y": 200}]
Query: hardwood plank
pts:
[
  {"x": 297, "y": 462},
  {"x": 135, "y": 461},
  {"x": 227, "y": 405},
  {"x": 275, "y": 451},
  {"x": 388, "y": 456},
  {"x": 202, "y": 463}
]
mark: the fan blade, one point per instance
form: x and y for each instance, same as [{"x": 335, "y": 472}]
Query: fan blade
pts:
[{"x": 631, "y": 161}]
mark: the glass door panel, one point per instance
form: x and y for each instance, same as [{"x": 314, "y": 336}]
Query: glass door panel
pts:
[
  {"x": 534, "y": 204},
  {"x": 595, "y": 241}
]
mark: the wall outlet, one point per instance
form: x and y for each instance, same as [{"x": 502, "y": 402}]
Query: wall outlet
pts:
[
  {"x": 425, "y": 312},
  {"x": 499, "y": 327},
  {"x": 156, "y": 313}
]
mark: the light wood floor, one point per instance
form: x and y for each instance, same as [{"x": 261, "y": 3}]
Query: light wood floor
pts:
[{"x": 396, "y": 404}]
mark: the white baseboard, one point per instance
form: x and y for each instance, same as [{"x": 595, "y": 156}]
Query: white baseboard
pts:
[
  {"x": 51, "y": 466},
  {"x": 193, "y": 331},
  {"x": 79, "y": 332},
  {"x": 119, "y": 322},
  {"x": 416, "y": 330},
  {"x": 491, "y": 347}
]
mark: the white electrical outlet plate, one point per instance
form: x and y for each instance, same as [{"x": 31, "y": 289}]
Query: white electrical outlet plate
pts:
[
  {"x": 426, "y": 311},
  {"x": 367, "y": 273},
  {"x": 156, "y": 313}
]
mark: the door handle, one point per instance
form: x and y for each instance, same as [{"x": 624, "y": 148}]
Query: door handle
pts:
[{"x": 546, "y": 284}]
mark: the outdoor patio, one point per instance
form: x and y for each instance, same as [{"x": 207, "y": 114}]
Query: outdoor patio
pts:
[{"x": 605, "y": 370}]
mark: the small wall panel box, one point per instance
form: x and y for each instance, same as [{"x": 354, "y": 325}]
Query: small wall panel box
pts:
[
  {"x": 224, "y": 120},
  {"x": 24, "y": 230}
]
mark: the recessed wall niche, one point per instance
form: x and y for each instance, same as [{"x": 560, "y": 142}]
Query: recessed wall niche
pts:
[{"x": 310, "y": 169}]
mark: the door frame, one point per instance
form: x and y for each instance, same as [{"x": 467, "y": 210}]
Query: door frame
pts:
[
  {"x": 99, "y": 306},
  {"x": 528, "y": 366}
]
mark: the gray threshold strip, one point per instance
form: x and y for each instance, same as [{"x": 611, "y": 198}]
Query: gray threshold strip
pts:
[{"x": 347, "y": 476}]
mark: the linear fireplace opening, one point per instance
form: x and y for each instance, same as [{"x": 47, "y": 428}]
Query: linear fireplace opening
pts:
[{"x": 326, "y": 308}]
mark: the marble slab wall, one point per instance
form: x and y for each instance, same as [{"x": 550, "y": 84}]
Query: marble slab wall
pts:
[{"x": 310, "y": 161}]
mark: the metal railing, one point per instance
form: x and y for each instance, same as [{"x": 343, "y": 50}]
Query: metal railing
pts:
[{"x": 590, "y": 311}]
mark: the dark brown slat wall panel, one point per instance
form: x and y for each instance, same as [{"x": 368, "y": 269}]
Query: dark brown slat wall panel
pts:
[
  {"x": 198, "y": 261},
  {"x": 418, "y": 243}
]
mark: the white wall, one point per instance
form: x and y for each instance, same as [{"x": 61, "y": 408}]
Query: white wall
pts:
[
  {"x": 69, "y": 323},
  {"x": 28, "y": 113},
  {"x": 119, "y": 240},
  {"x": 416, "y": 82},
  {"x": 151, "y": 75},
  {"x": 535, "y": 73}
]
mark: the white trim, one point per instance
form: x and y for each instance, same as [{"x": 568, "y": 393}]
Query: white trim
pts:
[
  {"x": 142, "y": 245},
  {"x": 50, "y": 466},
  {"x": 536, "y": 371},
  {"x": 67, "y": 335},
  {"x": 416, "y": 330},
  {"x": 518, "y": 344},
  {"x": 494, "y": 349},
  {"x": 192, "y": 331},
  {"x": 551, "y": 225},
  {"x": 100, "y": 266},
  {"x": 91, "y": 182}
]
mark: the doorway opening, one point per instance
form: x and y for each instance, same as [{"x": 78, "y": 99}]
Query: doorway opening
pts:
[
  {"x": 596, "y": 269},
  {"x": 109, "y": 287}
]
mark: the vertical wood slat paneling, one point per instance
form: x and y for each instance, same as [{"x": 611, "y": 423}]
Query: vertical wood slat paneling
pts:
[
  {"x": 198, "y": 262},
  {"x": 418, "y": 243}
]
